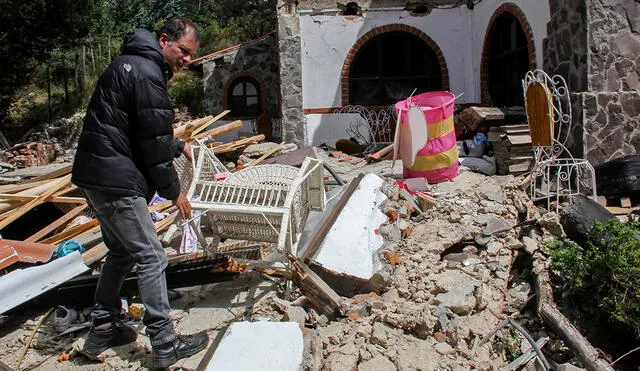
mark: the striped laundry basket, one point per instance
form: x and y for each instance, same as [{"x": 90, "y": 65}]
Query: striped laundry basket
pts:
[{"x": 437, "y": 161}]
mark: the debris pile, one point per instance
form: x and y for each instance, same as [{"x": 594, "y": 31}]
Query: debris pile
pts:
[{"x": 392, "y": 275}]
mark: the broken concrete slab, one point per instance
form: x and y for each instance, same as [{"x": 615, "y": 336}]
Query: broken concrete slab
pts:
[
  {"x": 348, "y": 258},
  {"x": 249, "y": 346}
]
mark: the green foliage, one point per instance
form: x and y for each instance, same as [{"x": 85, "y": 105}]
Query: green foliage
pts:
[
  {"x": 607, "y": 271},
  {"x": 75, "y": 40},
  {"x": 185, "y": 90},
  {"x": 509, "y": 342}
]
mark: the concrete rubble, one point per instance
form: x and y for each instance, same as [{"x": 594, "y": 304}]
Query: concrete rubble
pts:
[{"x": 453, "y": 275}]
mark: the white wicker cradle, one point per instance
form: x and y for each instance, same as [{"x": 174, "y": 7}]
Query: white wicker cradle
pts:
[{"x": 266, "y": 203}]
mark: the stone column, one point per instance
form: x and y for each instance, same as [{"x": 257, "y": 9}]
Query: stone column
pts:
[
  {"x": 565, "y": 54},
  {"x": 595, "y": 46},
  {"x": 612, "y": 107},
  {"x": 293, "y": 119}
]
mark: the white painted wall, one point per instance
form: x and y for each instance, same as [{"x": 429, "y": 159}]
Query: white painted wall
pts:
[
  {"x": 327, "y": 39},
  {"x": 459, "y": 33},
  {"x": 537, "y": 14}
]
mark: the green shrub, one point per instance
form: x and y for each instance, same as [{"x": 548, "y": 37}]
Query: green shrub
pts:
[
  {"x": 607, "y": 271},
  {"x": 186, "y": 90}
]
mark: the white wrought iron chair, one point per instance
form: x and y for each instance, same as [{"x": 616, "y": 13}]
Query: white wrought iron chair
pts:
[{"x": 556, "y": 175}]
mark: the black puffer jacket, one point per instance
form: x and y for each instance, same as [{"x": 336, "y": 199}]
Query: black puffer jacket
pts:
[{"x": 127, "y": 146}]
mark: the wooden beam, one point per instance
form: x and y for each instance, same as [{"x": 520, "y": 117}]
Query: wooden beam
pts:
[
  {"x": 267, "y": 154},
  {"x": 547, "y": 310},
  {"x": 12, "y": 188},
  {"x": 204, "y": 126},
  {"x": 56, "y": 224},
  {"x": 72, "y": 232},
  {"x": 52, "y": 198},
  {"x": 161, "y": 206},
  {"x": 222, "y": 129},
  {"x": 52, "y": 175},
  {"x": 183, "y": 132},
  {"x": 232, "y": 146},
  {"x": 17, "y": 213},
  {"x": 319, "y": 294},
  {"x": 100, "y": 250}
]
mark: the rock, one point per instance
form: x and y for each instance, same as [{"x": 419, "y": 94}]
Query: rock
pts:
[
  {"x": 530, "y": 245},
  {"x": 551, "y": 222},
  {"x": 518, "y": 295},
  {"x": 338, "y": 361},
  {"x": 493, "y": 248},
  {"x": 444, "y": 349},
  {"x": 377, "y": 363},
  {"x": 379, "y": 334},
  {"x": 568, "y": 367},
  {"x": 418, "y": 355},
  {"x": 496, "y": 224},
  {"x": 295, "y": 314},
  {"x": 259, "y": 149},
  {"x": 460, "y": 300},
  {"x": 482, "y": 240},
  {"x": 465, "y": 258},
  {"x": 331, "y": 334},
  {"x": 459, "y": 290}
]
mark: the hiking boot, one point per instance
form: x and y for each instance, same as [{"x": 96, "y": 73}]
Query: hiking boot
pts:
[
  {"x": 183, "y": 346},
  {"x": 110, "y": 334}
]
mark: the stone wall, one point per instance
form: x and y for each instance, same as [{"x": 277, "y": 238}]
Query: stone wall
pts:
[
  {"x": 293, "y": 120},
  {"x": 612, "y": 107},
  {"x": 595, "y": 45},
  {"x": 256, "y": 59},
  {"x": 565, "y": 48}
]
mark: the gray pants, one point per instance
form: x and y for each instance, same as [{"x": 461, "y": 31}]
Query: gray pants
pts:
[{"x": 129, "y": 234}]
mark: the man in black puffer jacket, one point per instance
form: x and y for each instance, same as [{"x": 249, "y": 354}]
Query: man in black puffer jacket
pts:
[{"x": 125, "y": 155}]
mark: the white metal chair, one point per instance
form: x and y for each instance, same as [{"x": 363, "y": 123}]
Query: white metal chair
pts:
[
  {"x": 266, "y": 203},
  {"x": 556, "y": 173}
]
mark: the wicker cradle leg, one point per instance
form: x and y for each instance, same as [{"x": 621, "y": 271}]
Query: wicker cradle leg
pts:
[{"x": 212, "y": 248}]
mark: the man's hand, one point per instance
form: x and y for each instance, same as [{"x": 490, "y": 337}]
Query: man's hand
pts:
[
  {"x": 183, "y": 205},
  {"x": 186, "y": 151}
]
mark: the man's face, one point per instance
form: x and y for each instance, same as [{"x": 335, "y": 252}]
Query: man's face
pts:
[{"x": 179, "y": 52}]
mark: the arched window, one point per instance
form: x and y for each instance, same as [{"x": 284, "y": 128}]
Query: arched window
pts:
[
  {"x": 243, "y": 97},
  {"x": 508, "y": 61},
  {"x": 390, "y": 66}
]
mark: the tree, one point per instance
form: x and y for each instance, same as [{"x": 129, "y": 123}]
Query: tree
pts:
[{"x": 30, "y": 31}]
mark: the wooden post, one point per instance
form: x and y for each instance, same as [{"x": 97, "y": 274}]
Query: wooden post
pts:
[{"x": 319, "y": 294}]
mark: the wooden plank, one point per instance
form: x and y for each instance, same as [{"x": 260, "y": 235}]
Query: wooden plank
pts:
[
  {"x": 232, "y": 146},
  {"x": 222, "y": 129},
  {"x": 72, "y": 232},
  {"x": 100, "y": 250},
  {"x": 589, "y": 356},
  {"x": 319, "y": 294},
  {"x": 15, "y": 214},
  {"x": 161, "y": 206},
  {"x": 267, "y": 154},
  {"x": 204, "y": 126},
  {"x": 56, "y": 224},
  {"x": 380, "y": 154},
  {"x": 184, "y": 131},
  {"x": 51, "y": 175},
  {"x": 12, "y": 188},
  {"x": 52, "y": 198}
]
